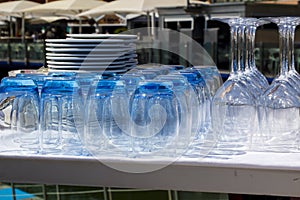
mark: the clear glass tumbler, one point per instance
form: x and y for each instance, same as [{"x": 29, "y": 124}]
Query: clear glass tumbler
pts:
[
  {"x": 154, "y": 110},
  {"x": 107, "y": 119},
  {"x": 61, "y": 117},
  {"x": 19, "y": 111}
]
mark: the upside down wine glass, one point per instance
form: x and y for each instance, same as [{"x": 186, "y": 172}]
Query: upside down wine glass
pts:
[
  {"x": 250, "y": 67},
  {"x": 244, "y": 75},
  {"x": 279, "y": 106},
  {"x": 253, "y": 78},
  {"x": 233, "y": 106},
  {"x": 293, "y": 74}
]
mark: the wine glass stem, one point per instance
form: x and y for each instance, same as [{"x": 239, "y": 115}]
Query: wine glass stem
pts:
[
  {"x": 234, "y": 48},
  {"x": 283, "y": 46},
  {"x": 291, "y": 35},
  {"x": 250, "y": 47},
  {"x": 241, "y": 47}
]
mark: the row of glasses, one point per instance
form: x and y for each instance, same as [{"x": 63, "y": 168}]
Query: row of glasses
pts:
[
  {"x": 139, "y": 113},
  {"x": 247, "y": 112},
  {"x": 145, "y": 111},
  {"x": 109, "y": 126},
  {"x": 204, "y": 80},
  {"x": 43, "y": 112},
  {"x": 155, "y": 111}
]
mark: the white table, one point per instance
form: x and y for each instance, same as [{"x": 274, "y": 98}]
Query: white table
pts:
[{"x": 252, "y": 173}]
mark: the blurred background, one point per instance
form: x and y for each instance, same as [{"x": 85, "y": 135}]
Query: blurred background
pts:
[
  {"x": 24, "y": 29},
  {"x": 24, "y": 26}
]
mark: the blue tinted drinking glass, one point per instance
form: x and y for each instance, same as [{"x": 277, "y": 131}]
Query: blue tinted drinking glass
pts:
[
  {"x": 104, "y": 127},
  {"x": 39, "y": 79},
  {"x": 85, "y": 80},
  {"x": 182, "y": 92},
  {"x": 212, "y": 78},
  {"x": 61, "y": 117},
  {"x": 200, "y": 83},
  {"x": 131, "y": 81},
  {"x": 199, "y": 103},
  {"x": 19, "y": 110},
  {"x": 154, "y": 112},
  {"x": 201, "y": 91}
]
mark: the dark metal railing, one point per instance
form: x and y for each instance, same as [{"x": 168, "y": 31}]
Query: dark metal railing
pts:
[{"x": 16, "y": 50}]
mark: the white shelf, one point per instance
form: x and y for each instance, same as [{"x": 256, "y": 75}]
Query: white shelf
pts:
[{"x": 252, "y": 173}]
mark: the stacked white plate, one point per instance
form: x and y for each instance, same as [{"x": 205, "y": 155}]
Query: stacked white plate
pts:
[{"x": 92, "y": 52}]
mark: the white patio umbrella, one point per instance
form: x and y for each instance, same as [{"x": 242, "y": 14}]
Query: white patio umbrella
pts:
[
  {"x": 15, "y": 9},
  {"x": 64, "y": 8},
  {"x": 133, "y": 6},
  {"x": 45, "y": 19}
]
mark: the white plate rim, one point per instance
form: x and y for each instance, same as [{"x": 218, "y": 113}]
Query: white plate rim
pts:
[
  {"x": 123, "y": 36},
  {"x": 86, "y": 50},
  {"x": 85, "y": 63},
  {"x": 87, "y": 55},
  {"x": 86, "y": 67},
  {"x": 83, "y": 71},
  {"x": 73, "y": 40},
  {"x": 83, "y": 59},
  {"x": 56, "y": 45}
]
